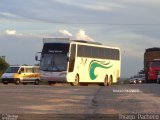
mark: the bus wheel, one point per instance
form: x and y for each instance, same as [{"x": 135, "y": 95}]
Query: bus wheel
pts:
[
  {"x": 17, "y": 82},
  {"x": 36, "y": 82},
  {"x": 76, "y": 83},
  {"x": 105, "y": 81},
  {"x": 109, "y": 81}
]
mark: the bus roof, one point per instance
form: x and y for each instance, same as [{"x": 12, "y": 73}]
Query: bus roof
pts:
[
  {"x": 94, "y": 44},
  {"x": 67, "y": 40},
  {"x": 56, "y": 40}
]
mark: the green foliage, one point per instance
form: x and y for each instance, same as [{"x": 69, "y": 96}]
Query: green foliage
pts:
[{"x": 3, "y": 66}]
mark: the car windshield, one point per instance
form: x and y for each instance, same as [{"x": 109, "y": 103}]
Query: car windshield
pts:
[
  {"x": 12, "y": 70},
  {"x": 54, "y": 62}
]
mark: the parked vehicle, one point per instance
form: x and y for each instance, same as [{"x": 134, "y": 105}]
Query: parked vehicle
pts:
[
  {"x": 137, "y": 79},
  {"x": 132, "y": 80},
  {"x": 151, "y": 64},
  {"x": 21, "y": 74}
]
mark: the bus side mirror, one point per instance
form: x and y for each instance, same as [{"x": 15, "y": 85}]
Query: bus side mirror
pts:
[
  {"x": 68, "y": 55},
  {"x": 38, "y": 56},
  {"x": 67, "y": 58}
]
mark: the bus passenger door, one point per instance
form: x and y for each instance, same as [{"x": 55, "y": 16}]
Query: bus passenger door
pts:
[{"x": 72, "y": 58}]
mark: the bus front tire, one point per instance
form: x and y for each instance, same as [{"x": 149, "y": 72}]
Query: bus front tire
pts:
[
  {"x": 76, "y": 82},
  {"x": 107, "y": 82}
]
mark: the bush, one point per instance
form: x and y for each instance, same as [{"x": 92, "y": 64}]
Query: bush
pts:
[{"x": 3, "y": 66}]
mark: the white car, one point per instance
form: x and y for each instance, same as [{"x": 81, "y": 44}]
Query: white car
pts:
[
  {"x": 132, "y": 80},
  {"x": 137, "y": 79}
]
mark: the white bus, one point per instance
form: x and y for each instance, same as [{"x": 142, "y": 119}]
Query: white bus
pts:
[{"x": 79, "y": 62}]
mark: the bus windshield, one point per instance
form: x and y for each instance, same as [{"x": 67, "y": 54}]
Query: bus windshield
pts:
[
  {"x": 54, "y": 62},
  {"x": 12, "y": 70}
]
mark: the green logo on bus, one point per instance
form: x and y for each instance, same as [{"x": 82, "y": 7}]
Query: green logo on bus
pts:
[{"x": 94, "y": 64}]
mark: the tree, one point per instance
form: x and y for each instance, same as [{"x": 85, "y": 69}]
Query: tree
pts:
[{"x": 3, "y": 66}]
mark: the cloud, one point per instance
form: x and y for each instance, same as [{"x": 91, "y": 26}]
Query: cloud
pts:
[
  {"x": 104, "y": 6},
  {"x": 93, "y": 5},
  {"x": 6, "y": 14},
  {"x": 11, "y": 32},
  {"x": 20, "y": 49},
  {"x": 65, "y": 32},
  {"x": 81, "y": 35}
]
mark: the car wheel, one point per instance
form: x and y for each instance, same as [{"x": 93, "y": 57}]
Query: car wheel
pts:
[
  {"x": 5, "y": 82},
  {"x": 36, "y": 82},
  {"x": 17, "y": 82}
]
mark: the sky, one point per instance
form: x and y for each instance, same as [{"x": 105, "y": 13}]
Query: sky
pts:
[{"x": 131, "y": 25}]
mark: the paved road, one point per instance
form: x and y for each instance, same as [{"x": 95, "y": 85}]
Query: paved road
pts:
[{"x": 65, "y": 99}]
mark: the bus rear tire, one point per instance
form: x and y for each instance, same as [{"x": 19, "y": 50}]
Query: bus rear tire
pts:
[
  {"x": 109, "y": 83},
  {"x": 76, "y": 82},
  {"x": 105, "y": 81}
]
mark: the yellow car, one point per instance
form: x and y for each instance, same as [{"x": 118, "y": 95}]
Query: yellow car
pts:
[{"x": 21, "y": 74}]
